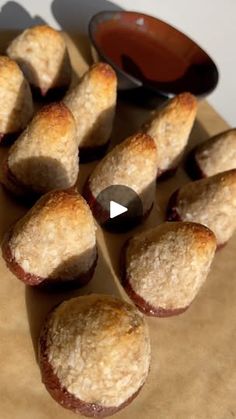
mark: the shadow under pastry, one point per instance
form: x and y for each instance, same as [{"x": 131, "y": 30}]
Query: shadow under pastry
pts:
[
  {"x": 53, "y": 94},
  {"x": 90, "y": 153},
  {"x": 188, "y": 162},
  {"x": 39, "y": 302},
  {"x": 55, "y": 177}
]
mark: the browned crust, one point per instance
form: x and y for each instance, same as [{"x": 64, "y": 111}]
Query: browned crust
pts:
[
  {"x": 186, "y": 99},
  {"x": 101, "y": 215},
  {"x": 103, "y": 69},
  {"x": 192, "y": 167},
  {"x": 89, "y": 154},
  {"x": 53, "y": 35},
  {"x": 35, "y": 280},
  {"x": 172, "y": 213},
  {"x": 140, "y": 303},
  {"x": 60, "y": 393},
  {"x": 56, "y": 110},
  {"x": 140, "y": 142},
  {"x": 45, "y": 30},
  {"x": 9, "y": 65}
]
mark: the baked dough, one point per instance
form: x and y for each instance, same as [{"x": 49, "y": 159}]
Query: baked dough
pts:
[
  {"x": 94, "y": 354},
  {"x": 42, "y": 54},
  {"x": 92, "y": 102},
  {"x": 164, "y": 268},
  {"x": 16, "y": 106},
  {"x": 54, "y": 242},
  {"x": 210, "y": 201},
  {"x": 170, "y": 126},
  {"x": 132, "y": 163},
  {"x": 45, "y": 156},
  {"x": 215, "y": 155}
]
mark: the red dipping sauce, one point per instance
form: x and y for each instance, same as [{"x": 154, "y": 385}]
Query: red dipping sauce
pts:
[
  {"x": 157, "y": 55},
  {"x": 154, "y": 59}
]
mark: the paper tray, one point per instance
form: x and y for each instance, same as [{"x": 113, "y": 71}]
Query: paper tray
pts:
[{"x": 193, "y": 369}]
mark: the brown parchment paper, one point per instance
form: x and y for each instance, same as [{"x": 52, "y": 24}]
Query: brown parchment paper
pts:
[{"x": 193, "y": 369}]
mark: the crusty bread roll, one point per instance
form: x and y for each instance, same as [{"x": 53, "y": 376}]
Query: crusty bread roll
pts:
[
  {"x": 215, "y": 155},
  {"x": 164, "y": 268},
  {"x": 92, "y": 103},
  {"x": 131, "y": 163},
  {"x": 54, "y": 242},
  {"x": 94, "y": 354},
  {"x": 16, "y": 106},
  {"x": 42, "y": 54},
  {"x": 170, "y": 127},
  {"x": 210, "y": 201},
  {"x": 45, "y": 156}
]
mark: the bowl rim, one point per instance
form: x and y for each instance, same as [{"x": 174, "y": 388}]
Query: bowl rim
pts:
[
  {"x": 131, "y": 78},
  {"x": 100, "y": 50}
]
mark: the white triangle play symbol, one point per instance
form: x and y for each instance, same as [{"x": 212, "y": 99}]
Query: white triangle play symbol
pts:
[{"x": 116, "y": 209}]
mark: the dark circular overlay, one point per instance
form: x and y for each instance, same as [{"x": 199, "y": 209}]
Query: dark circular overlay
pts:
[{"x": 121, "y": 195}]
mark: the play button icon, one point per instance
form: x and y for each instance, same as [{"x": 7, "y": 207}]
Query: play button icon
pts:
[{"x": 117, "y": 208}]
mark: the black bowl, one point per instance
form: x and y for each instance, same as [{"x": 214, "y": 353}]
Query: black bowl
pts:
[{"x": 147, "y": 52}]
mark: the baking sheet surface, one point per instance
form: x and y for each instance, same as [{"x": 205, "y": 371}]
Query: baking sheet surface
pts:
[{"x": 193, "y": 369}]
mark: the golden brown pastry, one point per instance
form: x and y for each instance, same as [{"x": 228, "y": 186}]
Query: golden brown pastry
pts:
[
  {"x": 210, "y": 201},
  {"x": 16, "y": 106},
  {"x": 131, "y": 163},
  {"x": 94, "y": 354},
  {"x": 45, "y": 156},
  {"x": 54, "y": 242},
  {"x": 215, "y": 155},
  {"x": 164, "y": 268},
  {"x": 170, "y": 127},
  {"x": 92, "y": 103},
  {"x": 42, "y": 54}
]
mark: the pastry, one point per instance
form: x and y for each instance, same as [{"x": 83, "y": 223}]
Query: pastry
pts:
[
  {"x": 131, "y": 163},
  {"x": 170, "y": 127},
  {"x": 210, "y": 201},
  {"x": 215, "y": 155},
  {"x": 94, "y": 354},
  {"x": 45, "y": 156},
  {"x": 164, "y": 268},
  {"x": 54, "y": 243},
  {"x": 42, "y": 55},
  {"x": 16, "y": 106},
  {"x": 92, "y": 103}
]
